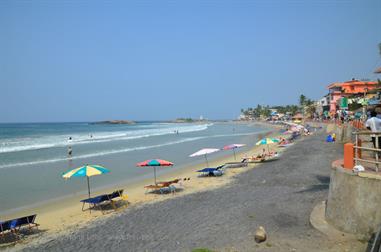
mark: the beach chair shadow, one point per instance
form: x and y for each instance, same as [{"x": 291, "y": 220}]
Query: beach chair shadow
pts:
[
  {"x": 10, "y": 239},
  {"x": 164, "y": 190}
]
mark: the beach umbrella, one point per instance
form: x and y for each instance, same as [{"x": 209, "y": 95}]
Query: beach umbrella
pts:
[
  {"x": 233, "y": 147},
  {"x": 86, "y": 171},
  {"x": 204, "y": 152},
  {"x": 153, "y": 163},
  {"x": 267, "y": 141}
]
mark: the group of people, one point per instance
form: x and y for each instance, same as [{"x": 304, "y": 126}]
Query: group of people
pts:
[{"x": 70, "y": 149}]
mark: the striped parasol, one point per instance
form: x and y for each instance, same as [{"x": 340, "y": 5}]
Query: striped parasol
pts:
[
  {"x": 233, "y": 147},
  {"x": 267, "y": 141},
  {"x": 86, "y": 171},
  {"x": 153, "y": 163}
]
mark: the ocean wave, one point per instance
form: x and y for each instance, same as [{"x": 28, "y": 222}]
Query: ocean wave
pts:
[
  {"x": 52, "y": 141},
  {"x": 122, "y": 150},
  {"x": 101, "y": 153}
]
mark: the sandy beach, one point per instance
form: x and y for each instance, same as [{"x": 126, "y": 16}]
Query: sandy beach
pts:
[
  {"x": 220, "y": 214},
  {"x": 62, "y": 217}
]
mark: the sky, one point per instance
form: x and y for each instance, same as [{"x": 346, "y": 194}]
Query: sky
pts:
[{"x": 160, "y": 60}]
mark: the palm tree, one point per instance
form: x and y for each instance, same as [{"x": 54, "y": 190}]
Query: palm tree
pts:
[{"x": 302, "y": 100}]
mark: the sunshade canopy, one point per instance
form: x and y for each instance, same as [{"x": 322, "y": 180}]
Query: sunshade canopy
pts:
[
  {"x": 155, "y": 162},
  {"x": 86, "y": 171},
  {"x": 204, "y": 152},
  {"x": 267, "y": 141},
  {"x": 233, "y": 146}
]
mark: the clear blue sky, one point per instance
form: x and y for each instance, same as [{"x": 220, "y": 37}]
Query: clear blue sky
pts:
[{"x": 91, "y": 60}]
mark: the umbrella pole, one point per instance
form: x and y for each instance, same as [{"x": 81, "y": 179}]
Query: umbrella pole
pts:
[
  {"x": 207, "y": 164},
  {"x": 154, "y": 173},
  {"x": 234, "y": 154},
  {"x": 268, "y": 149},
  {"x": 88, "y": 185}
]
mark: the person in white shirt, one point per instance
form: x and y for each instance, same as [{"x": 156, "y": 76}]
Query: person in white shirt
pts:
[{"x": 374, "y": 124}]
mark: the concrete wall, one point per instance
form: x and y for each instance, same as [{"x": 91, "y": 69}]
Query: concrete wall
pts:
[
  {"x": 343, "y": 132},
  {"x": 354, "y": 202}
]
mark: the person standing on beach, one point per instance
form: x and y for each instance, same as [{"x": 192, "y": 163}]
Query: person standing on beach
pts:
[
  {"x": 69, "y": 152},
  {"x": 374, "y": 124}
]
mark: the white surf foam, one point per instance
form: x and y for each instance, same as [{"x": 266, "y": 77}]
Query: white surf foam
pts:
[{"x": 51, "y": 141}]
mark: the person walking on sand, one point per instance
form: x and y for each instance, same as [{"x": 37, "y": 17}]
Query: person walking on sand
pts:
[{"x": 374, "y": 124}]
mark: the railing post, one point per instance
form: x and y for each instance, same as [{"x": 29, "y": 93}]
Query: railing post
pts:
[
  {"x": 348, "y": 156},
  {"x": 356, "y": 149},
  {"x": 377, "y": 149}
]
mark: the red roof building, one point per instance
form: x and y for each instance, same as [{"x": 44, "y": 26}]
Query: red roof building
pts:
[{"x": 337, "y": 90}]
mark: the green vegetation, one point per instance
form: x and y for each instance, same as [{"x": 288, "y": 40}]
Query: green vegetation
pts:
[
  {"x": 201, "y": 250},
  {"x": 185, "y": 120},
  {"x": 264, "y": 111}
]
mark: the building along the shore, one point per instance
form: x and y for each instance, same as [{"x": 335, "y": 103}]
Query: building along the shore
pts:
[{"x": 349, "y": 89}]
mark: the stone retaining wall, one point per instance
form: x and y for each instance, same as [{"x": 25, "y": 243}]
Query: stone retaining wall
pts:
[{"x": 354, "y": 201}]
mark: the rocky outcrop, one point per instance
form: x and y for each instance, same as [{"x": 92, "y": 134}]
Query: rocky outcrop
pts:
[{"x": 116, "y": 122}]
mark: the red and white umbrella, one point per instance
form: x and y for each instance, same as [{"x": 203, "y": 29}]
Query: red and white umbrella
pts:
[
  {"x": 204, "y": 152},
  {"x": 233, "y": 147}
]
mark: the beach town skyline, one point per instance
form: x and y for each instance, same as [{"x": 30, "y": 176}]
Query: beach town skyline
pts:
[{"x": 139, "y": 60}]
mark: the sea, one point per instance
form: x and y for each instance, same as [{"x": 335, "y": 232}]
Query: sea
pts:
[{"x": 33, "y": 156}]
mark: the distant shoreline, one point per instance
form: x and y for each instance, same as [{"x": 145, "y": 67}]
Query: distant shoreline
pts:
[{"x": 115, "y": 122}]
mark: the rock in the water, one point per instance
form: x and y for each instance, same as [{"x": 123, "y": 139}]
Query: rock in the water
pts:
[{"x": 260, "y": 234}]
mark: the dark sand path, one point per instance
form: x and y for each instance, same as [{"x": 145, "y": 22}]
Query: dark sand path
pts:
[{"x": 278, "y": 195}]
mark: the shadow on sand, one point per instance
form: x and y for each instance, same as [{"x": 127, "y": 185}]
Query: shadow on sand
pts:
[{"x": 10, "y": 239}]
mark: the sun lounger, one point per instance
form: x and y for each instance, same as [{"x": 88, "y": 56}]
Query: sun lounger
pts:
[
  {"x": 161, "y": 188},
  {"x": 285, "y": 145},
  {"x": 260, "y": 158},
  {"x": 98, "y": 201},
  {"x": 253, "y": 159},
  {"x": 212, "y": 171},
  {"x": 168, "y": 183},
  {"x": 243, "y": 163},
  {"x": 164, "y": 186},
  {"x": 15, "y": 225}
]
